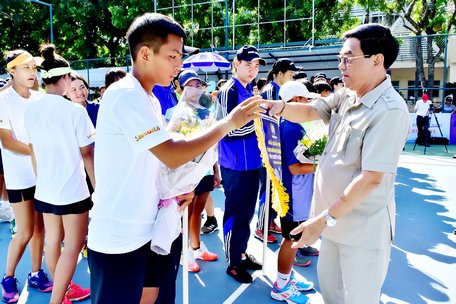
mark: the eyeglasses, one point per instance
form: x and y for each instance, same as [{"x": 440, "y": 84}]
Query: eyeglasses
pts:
[{"x": 348, "y": 60}]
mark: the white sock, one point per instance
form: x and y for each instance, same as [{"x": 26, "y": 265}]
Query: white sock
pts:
[
  {"x": 35, "y": 273},
  {"x": 282, "y": 279}
]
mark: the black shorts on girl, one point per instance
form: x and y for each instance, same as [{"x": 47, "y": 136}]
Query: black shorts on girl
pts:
[
  {"x": 74, "y": 208},
  {"x": 205, "y": 185},
  {"x": 17, "y": 196}
]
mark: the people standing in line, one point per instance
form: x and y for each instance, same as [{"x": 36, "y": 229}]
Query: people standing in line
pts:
[
  {"x": 62, "y": 194},
  {"x": 298, "y": 180},
  {"x": 422, "y": 109},
  {"x": 20, "y": 179},
  {"x": 354, "y": 185},
  {"x": 281, "y": 72},
  {"x": 131, "y": 141},
  {"x": 240, "y": 163}
]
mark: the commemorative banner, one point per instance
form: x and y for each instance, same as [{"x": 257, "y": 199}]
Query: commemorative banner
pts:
[{"x": 268, "y": 134}]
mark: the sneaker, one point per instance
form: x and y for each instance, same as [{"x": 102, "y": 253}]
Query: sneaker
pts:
[
  {"x": 192, "y": 264},
  {"x": 309, "y": 251},
  {"x": 10, "y": 293},
  {"x": 210, "y": 225},
  {"x": 203, "y": 254},
  {"x": 84, "y": 250},
  {"x": 259, "y": 235},
  {"x": 300, "y": 285},
  {"x": 40, "y": 281},
  {"x": 77, "y": 293},
  {"x": 274, "y": 228},
  {"x": 300, "y": 260},
  {"x": 66, "y": 301},
  {"x": 289, "y": 294},
  {"x": 251, "y": 263},
  {"x": 239, "y": 274}
]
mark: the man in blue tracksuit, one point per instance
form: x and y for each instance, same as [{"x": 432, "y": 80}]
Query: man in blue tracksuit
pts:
[{"x": 240, "y": 163}]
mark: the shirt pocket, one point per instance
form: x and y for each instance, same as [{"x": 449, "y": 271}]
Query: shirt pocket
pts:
[{"x": 352, "y": 144}]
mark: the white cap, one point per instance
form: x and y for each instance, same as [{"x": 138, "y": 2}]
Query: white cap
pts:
[{"x": 295, "y": 88}]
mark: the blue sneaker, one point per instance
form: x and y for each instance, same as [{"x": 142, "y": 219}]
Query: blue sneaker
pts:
[
  {"x": 300, "y": 285},
  {"x": 10, "y": 294},
  {"x": 40, "y": 281},
  {"x": 289, "y": 294}
]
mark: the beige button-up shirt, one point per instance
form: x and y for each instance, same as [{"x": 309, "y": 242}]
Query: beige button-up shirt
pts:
[{"x": 368, "y": 134}]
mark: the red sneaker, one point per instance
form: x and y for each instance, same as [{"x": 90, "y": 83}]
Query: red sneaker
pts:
[
  {"x": 259, "y": 235},
  {"x": 66, "y": 301},
  {"x": 274, "y": 228},
  {"x": 77, "y": 293}
]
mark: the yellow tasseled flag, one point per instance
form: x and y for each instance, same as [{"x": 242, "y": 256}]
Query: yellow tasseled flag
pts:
[{"x": 279, "y": 196}]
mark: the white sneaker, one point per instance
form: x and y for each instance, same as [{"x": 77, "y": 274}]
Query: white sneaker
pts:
[
  {"x": 203, "y": 254},
  {"x": 6, "y": 212}
]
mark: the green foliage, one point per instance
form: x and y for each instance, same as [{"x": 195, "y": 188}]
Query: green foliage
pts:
[{"x": 96, "y": 28}]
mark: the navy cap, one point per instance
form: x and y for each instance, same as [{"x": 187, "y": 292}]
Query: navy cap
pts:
[
  {"x": 2, "y": 83},
  {"x": 249, "y": 53},
  {"x": 285, "y": 64},
  {"x": 186, "y": 76},
  {"x": 320, "y": 75}
]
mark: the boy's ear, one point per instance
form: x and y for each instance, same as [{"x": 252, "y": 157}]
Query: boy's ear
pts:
[{"x": 144, "y": 53}]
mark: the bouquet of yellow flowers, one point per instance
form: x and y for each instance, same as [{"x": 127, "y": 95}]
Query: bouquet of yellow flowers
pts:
[{"x": 307, "y": 151}]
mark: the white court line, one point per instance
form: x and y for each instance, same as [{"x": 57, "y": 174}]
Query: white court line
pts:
[{"x": 241, "y": 289}]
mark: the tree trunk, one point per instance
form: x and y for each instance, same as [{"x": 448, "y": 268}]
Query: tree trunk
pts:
[
  {"x": 431, "y": 64},
  {"x": 420, "y": 78}
]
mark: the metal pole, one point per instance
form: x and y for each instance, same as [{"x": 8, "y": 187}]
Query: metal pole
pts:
[
  {"x": 50, "y": 20},
  {"x": 234, "y": 22},
  {"x": 226, "y": 25},
  {"x": 258, "y": 23},
  {"x": 313, "y": 22},
  {"x": 285, "y": 23},
  {"x": 445, "y": 69}
]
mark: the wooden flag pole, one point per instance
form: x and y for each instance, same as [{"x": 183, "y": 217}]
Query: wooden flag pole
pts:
[
  {"x": 266, "y": 221},
  {"x": 185, "y": 254}
]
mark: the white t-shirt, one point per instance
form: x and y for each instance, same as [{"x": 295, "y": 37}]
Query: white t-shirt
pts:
[
  {"x": 422, "y": 108},
  {"x": 57, "y": 128},
  {"x": 126, "y": 196},
  {"x": 17, "y": 167}
]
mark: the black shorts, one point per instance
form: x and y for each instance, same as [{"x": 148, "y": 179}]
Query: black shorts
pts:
[
  {"x": 120, "y": 278},
  {"x": 17, "y": 196},
  {"x": 75, "y": 208},
  {"x": 205, "y": 185},
  {"x": 287, "y": 226}
]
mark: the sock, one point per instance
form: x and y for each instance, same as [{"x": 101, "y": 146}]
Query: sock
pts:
[
  {"x": 195, "y": 249},
  {"x": 282, "y": 279},
  {"x": 34, "y": 273}
]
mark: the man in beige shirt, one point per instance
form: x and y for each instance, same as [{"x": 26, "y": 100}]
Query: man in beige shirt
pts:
[{"x": 354, "y": 185}]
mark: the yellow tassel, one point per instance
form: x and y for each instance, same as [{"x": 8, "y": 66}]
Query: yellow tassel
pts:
[{"x": 279, "y": 196}]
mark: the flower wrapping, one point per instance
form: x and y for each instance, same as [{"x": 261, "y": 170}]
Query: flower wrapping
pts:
[
  {"x": 309, "y": 149},
  {"x": 188, "y": 119}
]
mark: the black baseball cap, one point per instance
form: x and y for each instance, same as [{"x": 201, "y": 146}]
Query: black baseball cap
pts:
[
  {"x": 320, "y": 75},
  {"x": 285, "y": 64},
  {"x": 249, "y": 53}
]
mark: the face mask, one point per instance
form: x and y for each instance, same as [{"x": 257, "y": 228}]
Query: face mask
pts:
[{"x": 206, "y": 100}]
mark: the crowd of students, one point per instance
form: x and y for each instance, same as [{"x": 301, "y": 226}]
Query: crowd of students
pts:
[{"x": 48, "y": 147}]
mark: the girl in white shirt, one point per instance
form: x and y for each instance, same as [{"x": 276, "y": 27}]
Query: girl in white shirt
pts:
[
  {"x": 61, "y": 136},
  {"x": 19, "y": 176}
]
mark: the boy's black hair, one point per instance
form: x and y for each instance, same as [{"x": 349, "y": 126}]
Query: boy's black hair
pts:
[
  {"x": 51, "y": 60},
  {"x": 375, "y": 39},
  {"x": 114, "y": 75},
  {"x": 151, "y": 29},
  {"x": 322, "y": 86}
]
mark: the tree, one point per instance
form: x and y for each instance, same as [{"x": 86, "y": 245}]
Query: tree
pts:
[{"x": 426, "y": 17}]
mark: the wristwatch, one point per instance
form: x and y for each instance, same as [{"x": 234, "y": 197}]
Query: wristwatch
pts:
[{"x": 330, "y": 221}]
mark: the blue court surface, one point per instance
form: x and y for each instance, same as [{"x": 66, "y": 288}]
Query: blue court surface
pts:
[{"x": 423, "y": 258}]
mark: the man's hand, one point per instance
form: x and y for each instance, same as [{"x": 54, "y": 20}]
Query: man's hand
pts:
[
  {"x": 311, "y": 230},
  {"x": 217, "y": 180},
  {"x": 185, "y": 199},
  {"x": 274, "y": 106},
  {"x": 245, "y": 112}
]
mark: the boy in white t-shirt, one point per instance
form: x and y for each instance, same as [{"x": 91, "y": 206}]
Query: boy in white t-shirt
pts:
[
  {"x": 19, "y": 176},
  {"x": 131, "y": 141}
]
